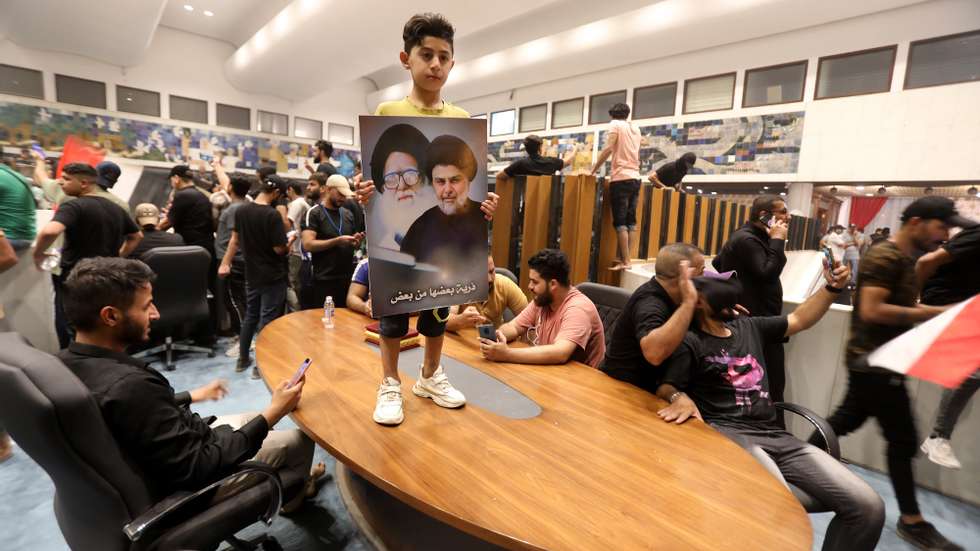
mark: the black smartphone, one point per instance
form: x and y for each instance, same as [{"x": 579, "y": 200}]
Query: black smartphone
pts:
[
  {"x": 767, "y": 219},
  {"x": 828, "y": 257},
  {"x": 486, "y": 331}
]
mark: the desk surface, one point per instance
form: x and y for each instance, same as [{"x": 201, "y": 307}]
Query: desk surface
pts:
[{"x": 597, "y": 468}]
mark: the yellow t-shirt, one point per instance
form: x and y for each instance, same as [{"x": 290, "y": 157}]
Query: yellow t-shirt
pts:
[
  {"x": 506, "y": 294},
  {"x": 405, "y": 108}
]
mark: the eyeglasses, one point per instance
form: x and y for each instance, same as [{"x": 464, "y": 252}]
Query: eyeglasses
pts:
[{"x": 409, "y": 177}]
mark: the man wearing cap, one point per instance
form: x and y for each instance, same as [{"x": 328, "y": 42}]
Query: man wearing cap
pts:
[
  {"x": 148, "y": 217},
  {"x": 719, "y": 375},
  {"x": 655, "y": 319},
  {"x": 107, "y": 174},
  {"x": 329, "y": 241},
  {"x": 259, "y": 232},
  {"x": 534, "y": 164},
  {"x": 885, "y": 306},
  {"x": 92, "y": 226}
]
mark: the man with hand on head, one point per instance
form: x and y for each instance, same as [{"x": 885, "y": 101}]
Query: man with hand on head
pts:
[
  {"x": 719, "y": 375},
  {"x": 110, "y": 303},
  {"x": 655, "y": 319},
  {"x": 561, "y": 324}
]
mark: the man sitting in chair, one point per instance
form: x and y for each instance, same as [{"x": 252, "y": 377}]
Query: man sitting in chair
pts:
[
  {"x": 109, "y": 301},
  {"x": 561, "y": 324},
  {"x": 503, "y": 295},
  {"x": 718, "y": 374}
]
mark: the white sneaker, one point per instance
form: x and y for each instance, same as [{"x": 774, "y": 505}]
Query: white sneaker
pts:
[
  {"x": 439, "y": 389},
  {"x": 388, "y": 410},
  {"x": 940, "y": 452},
  {"x": 232, "y": 351}
]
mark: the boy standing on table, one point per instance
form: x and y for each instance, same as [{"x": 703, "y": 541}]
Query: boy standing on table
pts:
[{"x": 428, "y": 55}]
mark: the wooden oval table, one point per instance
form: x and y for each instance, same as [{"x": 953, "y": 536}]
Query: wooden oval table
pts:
[{"x": 596, "y": 469}]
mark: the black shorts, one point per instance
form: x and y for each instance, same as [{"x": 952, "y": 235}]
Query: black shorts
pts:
[
  {"x": 394, "y": 327},
  {"x": 623, "y": 194}
]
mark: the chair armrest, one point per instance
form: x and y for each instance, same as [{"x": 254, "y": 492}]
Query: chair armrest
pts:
[
  {"x": 819, "y": 423},
  {"x": 175, "y": 503}
]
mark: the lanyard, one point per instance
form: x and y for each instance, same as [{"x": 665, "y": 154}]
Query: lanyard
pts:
[{"x": 340, "y": 229}]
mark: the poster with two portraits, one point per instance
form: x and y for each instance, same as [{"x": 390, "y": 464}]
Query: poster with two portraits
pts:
[{"x": 426, "y": 234}]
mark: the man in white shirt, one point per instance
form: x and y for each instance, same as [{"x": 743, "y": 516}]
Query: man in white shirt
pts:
[{"x": 623, "y": 145}]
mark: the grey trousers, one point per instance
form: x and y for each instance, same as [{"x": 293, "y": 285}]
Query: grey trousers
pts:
[
  {"x": 285, "y": 450},
  {"x": 952, "y": 405},
  {"x": 860, "y": 512}
]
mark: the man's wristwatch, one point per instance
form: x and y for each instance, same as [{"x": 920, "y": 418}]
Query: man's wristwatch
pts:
[
  {"x": 673, "y": 397},
  {"x": 831, "y": 289}
]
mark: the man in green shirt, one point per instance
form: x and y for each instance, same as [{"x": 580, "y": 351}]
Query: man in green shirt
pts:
[{"x": 16, "y": 208}]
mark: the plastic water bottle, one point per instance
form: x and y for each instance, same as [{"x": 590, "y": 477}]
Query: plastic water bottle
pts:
[
  {"x": 51, "y": 260},
  {"x": 328, "y": 313}
]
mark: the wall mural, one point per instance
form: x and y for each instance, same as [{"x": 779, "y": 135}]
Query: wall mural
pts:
[
  {"x": 761, "y": 144},
  {"x": 157, "y": 141},
  {"x": 500, "y": 154}
]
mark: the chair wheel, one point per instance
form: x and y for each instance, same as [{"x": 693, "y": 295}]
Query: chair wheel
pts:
[
  {"x": 211, "y": 354},
  {"x": 170, "y": 367},
  {"x": 271, "y": 545}
]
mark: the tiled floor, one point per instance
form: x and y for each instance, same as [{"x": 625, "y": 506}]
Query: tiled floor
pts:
[{"x": 27, "y": 520}]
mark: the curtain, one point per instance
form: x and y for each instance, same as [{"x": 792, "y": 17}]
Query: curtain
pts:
[
  {"x": 844, "y": 214},
  {"x": 890, "y": 215},
  {"x": 863, "y": 209}
]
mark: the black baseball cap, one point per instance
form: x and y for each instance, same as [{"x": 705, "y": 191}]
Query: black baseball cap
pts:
[
  {"x": 719, "y": 290},
  {"x": 107, "y": 174},
  {"x": 937, "y": 208},
  {"x": 183, "y": 171}
]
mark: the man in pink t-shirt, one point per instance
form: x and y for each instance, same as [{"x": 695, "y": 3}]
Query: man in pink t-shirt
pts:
[
  {"x": 561, "y": 324},
  {"x": 623, "y": 145}
]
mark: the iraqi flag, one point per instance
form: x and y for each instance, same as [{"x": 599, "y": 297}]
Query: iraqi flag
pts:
[{"x": 944, "y": 350}]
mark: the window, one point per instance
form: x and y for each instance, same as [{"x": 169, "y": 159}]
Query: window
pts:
[
  {"x": 340, "y": 133},
  {"x": 187, "y": 109},
  {"x": 308, "y": 128},
  {"x": 776, "y": 84},
  {"x": 18, "y": 81},
  {"x": 134, "y": 100},
  {"x": 567, "y": 113},
  {"x": 502, "y": 122},
  {"x": 599, "y": 106},
  {"x": 234, "y": 117},
  {"x": 80, "y": 91},
  {"x": 534, "y": 117},
  {"x": 654, "y": 101},
  {"x": 865, "y": 72},
  {"x": 273, "y": 123},
  {"x": 713, "y": 93},
  {"x": 943, "y": 60}
]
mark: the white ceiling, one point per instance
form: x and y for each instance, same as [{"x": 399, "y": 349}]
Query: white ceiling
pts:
[{"x": 234, "y": 21}]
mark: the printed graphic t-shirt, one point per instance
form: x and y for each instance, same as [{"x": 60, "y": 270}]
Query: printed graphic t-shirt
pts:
[{"x": 726, "y": 377}]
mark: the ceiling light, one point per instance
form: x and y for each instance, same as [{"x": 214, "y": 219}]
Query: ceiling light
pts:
[
  {"x": 208, "y": 13},
  {"x": 714, "y": 193},
  {"x": 690, "y": 187},
  {"x": 765, "y": 187},
  {"x": 188, "y": 7},
  {"x": 782, "y": 193},
  {"x": 870, "y": 194},
  {"x": 700, "y": 191},
  {"x": 859, "y": 188}
]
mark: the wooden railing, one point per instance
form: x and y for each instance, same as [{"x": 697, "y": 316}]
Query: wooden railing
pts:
[{"x": 570, "y": 213}]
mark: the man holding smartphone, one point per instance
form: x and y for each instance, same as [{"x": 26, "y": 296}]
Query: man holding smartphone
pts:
[{"x": 756, "y": 252}]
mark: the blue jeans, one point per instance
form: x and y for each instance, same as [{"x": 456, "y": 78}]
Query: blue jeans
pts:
[
  {"x": 262, "y": 305},
  {"x": 860, "y": 512}
]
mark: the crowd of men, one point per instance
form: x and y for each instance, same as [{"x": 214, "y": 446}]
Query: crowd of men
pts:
[{"x": 709, "y": 343}]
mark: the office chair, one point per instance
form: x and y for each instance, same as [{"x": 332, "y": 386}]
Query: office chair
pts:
[
  {"x": 831, "y": 446},
  {"x": 609, "y": 301},
  {"x": 180, "y": 293},
  {"x": 507, "y": 273},
  {"x": 101, "y": 501}
]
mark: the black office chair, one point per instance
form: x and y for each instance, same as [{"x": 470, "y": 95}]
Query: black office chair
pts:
[
  {"x": 101, "y": 501},
  {"x": 509, "y": 274},
  {"x": 180, "y": 293},
  {"x": 831, "y": 446},
  {"x": 609, "y": 301}
]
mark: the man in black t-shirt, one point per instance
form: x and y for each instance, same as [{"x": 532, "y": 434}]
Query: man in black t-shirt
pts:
[
  {"x": 671, "y": 174},
  {"x": 719, "y": 375},
  {"x": 949, "y": 275},
  {"x": 260, "y": 233},
  {"x": 148, "y": 217},
  {"x": 322, "y": 151},
  {"x": 534, "y": 164},
  {"x": 655, "y": 319},
  {"x": 190, "y": 212},
  {"x": 93, "y": 227},
  {"x": 330, "y": 237}
]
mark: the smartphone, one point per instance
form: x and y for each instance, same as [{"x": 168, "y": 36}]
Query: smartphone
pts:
[
  {"x": 39, "y": 149},
  {"x": 828, "y": 257},
  {"x": 486, "y": 331},
  {"x": 300, "y": 372},
  {"x": 207, "y": 157},
  {"x": 767, "y": 219}
]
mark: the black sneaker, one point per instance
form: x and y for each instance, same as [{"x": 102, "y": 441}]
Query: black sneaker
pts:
[
  {"x": 242, "y": 365},
  {"x": 925, "y": 536},
  {"x": 255, "y": 373}
]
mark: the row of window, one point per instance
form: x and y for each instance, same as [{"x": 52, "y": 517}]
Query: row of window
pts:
[
  {"x": 932, "y": 62},
  {"x": 91, "y": 93}
]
